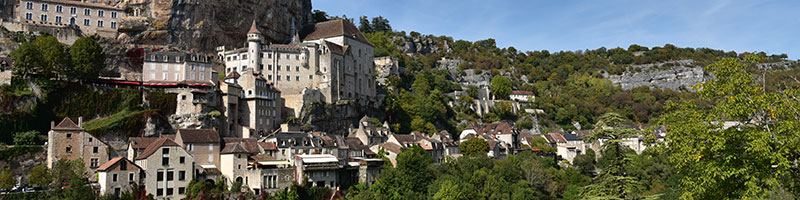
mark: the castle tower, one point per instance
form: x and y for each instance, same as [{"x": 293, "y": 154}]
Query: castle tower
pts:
[{"x": 254, "y": 40}]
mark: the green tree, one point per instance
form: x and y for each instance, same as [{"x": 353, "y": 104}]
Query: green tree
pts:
[
  {"x": 403, "y": 181},
  {"x": 7, "y": 179},
  {"x": 756, "y": 149},
  {"x": 472, "y": 91},
  {"x": 25, "y": 138},
  {"x": 380, "y": 24},
  {"x": 87, "y": 58},
  {"x": 585, "y": 162},
  {"x": 27, "y": 59},
  {"x": 40, "y": 176},
  {"x": 474, "y": 147},
  {"x": 54, "y": 56},
  {"x": 501, "y": 87},
  {"x": 613, "y": 182},
  {"x": 450, "y": 191},
  {"x": 363, "y": 25}
]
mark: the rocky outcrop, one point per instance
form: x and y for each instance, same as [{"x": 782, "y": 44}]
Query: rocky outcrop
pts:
[
  {"x": 421, "y": 45},
  {"x": 675, "y": 75},
  {"x": 194, "y": 121},
  {"x": 335, "y": 118},
  {"x": 202, "y": 25}
]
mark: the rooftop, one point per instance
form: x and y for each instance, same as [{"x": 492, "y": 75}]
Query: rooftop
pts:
[{"x": 333, "y": 28}]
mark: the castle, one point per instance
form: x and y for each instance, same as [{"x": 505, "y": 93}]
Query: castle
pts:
[{"x": 333, "y": 61}]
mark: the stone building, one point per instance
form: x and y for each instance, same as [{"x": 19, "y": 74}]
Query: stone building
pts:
[
  {"x": 90, "y": 18},
  {"x": 202, "y": 144},
  {"x": 70, "y": 141},
  {"x": 332, "y": 62},
  {"x": 369, "y": 132},
  {"x": 117, "y": 176},
  {"x": 318, "y": 170},
  {"x": 252, "y": 104},
  {"x": 176, "y": 67},
  {"x": 168, "y": 168}
]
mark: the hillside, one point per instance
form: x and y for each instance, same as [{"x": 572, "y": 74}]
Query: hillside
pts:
[{"x": 570, "y": 86}]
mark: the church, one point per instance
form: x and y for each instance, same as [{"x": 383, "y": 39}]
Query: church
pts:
[{"x": 326, "y": 62}]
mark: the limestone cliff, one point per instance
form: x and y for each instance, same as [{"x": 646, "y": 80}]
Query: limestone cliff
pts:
[
  {"x": 335, "y": 118},
  {"x": 202, "y": 25}
]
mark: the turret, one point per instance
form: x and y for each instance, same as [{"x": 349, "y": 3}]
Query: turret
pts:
[{"x": 254, "y": 40}]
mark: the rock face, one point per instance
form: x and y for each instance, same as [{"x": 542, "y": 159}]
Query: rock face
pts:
[
  {"x": 421, "y": 45},
  {"x": 673, "y": 75},
  {"x": 335, "y": 118},
  {"x": 203, "y": 25}
]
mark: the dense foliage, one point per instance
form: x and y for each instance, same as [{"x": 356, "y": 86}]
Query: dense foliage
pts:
[{"x": 47, "y": 57}]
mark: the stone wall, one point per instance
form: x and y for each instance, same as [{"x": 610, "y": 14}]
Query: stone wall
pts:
[{"x": 675, "y": 75}]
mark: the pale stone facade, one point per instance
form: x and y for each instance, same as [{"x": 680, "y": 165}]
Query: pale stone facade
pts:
[
  {"x": 90, "y": 18},
  {"x": 168, "y": 168},
  {"x": 176, "y": 67},
  {"x": 118, "y": 175},
  {"x": 70, "y": 141},
  {"x": 333, "y": 59}
]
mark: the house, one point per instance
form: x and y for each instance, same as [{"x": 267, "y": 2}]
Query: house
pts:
[
  {"x": 260, "y": 103},
  {"x": 317, "y": 170},
  {"x": 370, "y": 133},
  {"x": 70, "y": 141},
  {"x": 118, "y": 175},
  {"x": 202, "y": 144},
  {"x": 90, "y": 18},
  {"x": 368, "y": 169},
  {"x": 268, "y": 174},
  {"x": 450, "y": 145},
  {"x": 176, "y": 67},
  {"x": 391, "y": 150},
  {"x": 137, "y": 145},
  {"x": 168, "y": 168}
]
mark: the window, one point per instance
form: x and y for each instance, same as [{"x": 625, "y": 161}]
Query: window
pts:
[
  {"x": 113, "y": 15},
  {"x": 181, "y": 175},
  {"x": 69, "y": 149},
  {"x": 90, "y": 139},
  {"x": 99, "y": 23},
  {"x": 58, "y": 9},
  {"x": 297, "y": 57},
  {"x": 182, "y": 160},
  {"x": 86, "y": 22},
  {"x": 164, "y": 76},
  {"x": 44, "y": 18},
  {"x": 28, "y": 16},
  {"x": 288, "y": 78},
  {"x": 269, "y": 67},
  {"x": 181, "y": 190},
  {"x": 130, "y": 176},
  {"x": 297, "y": 78},
  {"x": 160, "y": 175},
  {"x": 58, "y": 19},
  {"x": 95, "y": 149},
  {"x": 170, "y": 175},
  {"x": 269, "y": 77},
  {"x": 87, "y": 12},
  {"x": 72, "y": 10},
  {"x": 69, "y": 135},
  {"x": 288, "y": 68},
  {"x": 297, "y": 68},
  {"x": 29, "y": 5},
  {"x": 269, "y": 55},
  {"x": 100, "y": 13},
  {"x": 165, "y": 151},
  {"x": 116, "y": 192},
  {"x": 287, "y": 56},
  {"x": 165, "y": 161},
  {"x": 278, "y": 68},
  {"x": 114, "y": 178},
  {"x": 159, "y": 192},
  {"x": 178, "y": 77},
  {"x": 169, "y": 191},
  {"x": 279, "y": 78},
  {"x": 113, "y": 24},
  {"x": 123, "y": 165},
  {"x": 310, "y": 77},
  {"x": 44, "y": 7},
  {"x": 94, "y": 162},
  {"x": 152, "y": 75}
]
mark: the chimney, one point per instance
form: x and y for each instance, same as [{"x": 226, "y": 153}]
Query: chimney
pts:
[
  {"x": 80, "y": 121},
  {"x": 52, "y": 124}
]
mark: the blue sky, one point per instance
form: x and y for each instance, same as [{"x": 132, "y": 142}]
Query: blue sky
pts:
[{"x": 754, "y": 25}]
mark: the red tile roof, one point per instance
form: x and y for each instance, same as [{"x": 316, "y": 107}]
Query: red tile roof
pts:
[
  {"x": 269, "y": 146},
  {"x": 152, "y": 148},
  {"x": 333, "y": 28},
  {"x": 496, "y": 128},
  {"x": 141, "y": 142},
  {"x": 521, "y": 92},
  {"x": 112, "y": 162},
  {"x": 558, "y": 137},
  {"x": 391, "y": 147},
  {"x": 199, "y": 136},
  {"x": 67, "y": 124},
  {"x": 84, "y": 4},
  {"x": 234, "y": 148},
  {"x": 253, "y": 28}
]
